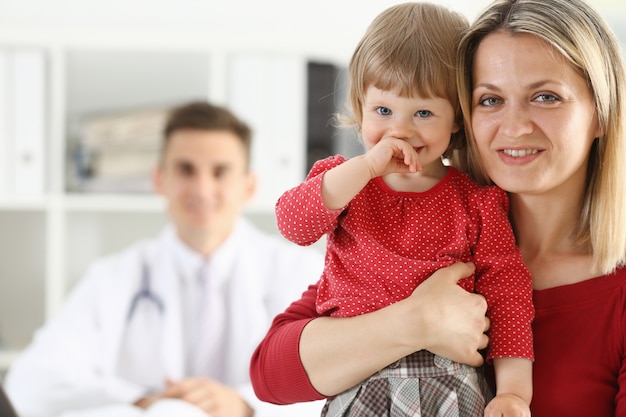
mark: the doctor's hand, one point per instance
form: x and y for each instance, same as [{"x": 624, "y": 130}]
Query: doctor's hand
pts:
[{"x": 210, "y": 396}]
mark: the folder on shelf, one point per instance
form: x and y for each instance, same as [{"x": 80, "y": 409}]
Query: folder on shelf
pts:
[
  {"x": 259, "y": 86},
  {"x": 26, "y": 114},
  {"x": 117, "y": 151},
  {"x": 5, "y": 93}
]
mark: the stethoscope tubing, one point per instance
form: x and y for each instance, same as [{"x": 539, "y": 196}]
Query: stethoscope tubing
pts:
[{"x": 145, "y": 292}]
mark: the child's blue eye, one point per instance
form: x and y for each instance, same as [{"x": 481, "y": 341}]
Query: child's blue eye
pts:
[
  {"x": 424, "y": 113},
  {"x": 384, "y": 111}
]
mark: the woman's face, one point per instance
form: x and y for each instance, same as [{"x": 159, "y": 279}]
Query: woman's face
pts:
[{"x": 533, "y": 116}]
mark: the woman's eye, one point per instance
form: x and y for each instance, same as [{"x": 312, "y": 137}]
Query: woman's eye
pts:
[
  {"x": 546, "y": 98},
  {"x": 423, "y": 113},
  {"x": 384, "y": 111},
  {"x": 489, "y": 102}
]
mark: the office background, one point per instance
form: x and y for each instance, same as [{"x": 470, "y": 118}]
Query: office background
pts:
[{"x": 85, "y": 84}]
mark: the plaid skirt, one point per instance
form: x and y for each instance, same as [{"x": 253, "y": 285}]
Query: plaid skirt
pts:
[{"x": 418, "y": 385}]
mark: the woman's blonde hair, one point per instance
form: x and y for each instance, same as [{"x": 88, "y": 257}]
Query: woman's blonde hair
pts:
[
  {"x": 410, "y": 49},
  {"x": 586, "y": 41}
]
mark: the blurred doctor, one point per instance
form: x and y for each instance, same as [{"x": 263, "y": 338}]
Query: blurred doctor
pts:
[{"x": 173, "y": 320}]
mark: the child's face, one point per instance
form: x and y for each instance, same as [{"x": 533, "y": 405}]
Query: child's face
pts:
[{"x": 425, "y": 123}]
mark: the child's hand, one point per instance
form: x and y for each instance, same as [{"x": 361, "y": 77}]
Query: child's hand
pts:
[
  {"x": 507, "y": 405},
  {"x": 392, "y": 155}
]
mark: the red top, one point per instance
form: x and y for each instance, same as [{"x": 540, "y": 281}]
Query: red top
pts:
[
  {"x": 579, "y": 368},
  {"x": 384, "y": 243},
  {"x": 580, "y": 337}
]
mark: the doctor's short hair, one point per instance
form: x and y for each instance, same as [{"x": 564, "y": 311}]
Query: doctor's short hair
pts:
[{"x": 202, "y": 115}]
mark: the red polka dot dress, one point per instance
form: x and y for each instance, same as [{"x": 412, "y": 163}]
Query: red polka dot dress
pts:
[{"x": 384, "y": 243}]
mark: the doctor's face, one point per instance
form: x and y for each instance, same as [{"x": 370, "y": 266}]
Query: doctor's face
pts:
[{"x": 205, "y": 180}]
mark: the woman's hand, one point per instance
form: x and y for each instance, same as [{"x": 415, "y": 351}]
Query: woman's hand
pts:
[
  {"x": 440, "y": 316},
  {"x": 450, "y": 321}
]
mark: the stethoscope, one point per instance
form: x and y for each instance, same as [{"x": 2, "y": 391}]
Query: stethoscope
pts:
[
  {"x": 145, "y": 293},
  {"x": 144, "y": 327}
]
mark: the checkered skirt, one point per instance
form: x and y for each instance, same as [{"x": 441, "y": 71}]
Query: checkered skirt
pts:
[{"x": 418, "y": 385}]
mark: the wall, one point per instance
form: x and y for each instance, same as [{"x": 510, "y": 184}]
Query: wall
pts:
[{"x": 325, "y": 28}]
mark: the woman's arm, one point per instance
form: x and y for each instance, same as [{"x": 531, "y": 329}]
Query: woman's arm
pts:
[{"x": 306, "y": 357}]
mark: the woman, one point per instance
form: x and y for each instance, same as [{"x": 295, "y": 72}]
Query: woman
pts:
[
  {"x": 542, "y": 86},
  {"x": 543, "y": 91}
]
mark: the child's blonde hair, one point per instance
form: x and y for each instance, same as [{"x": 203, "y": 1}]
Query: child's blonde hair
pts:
[{"x": 410, "y": 49}]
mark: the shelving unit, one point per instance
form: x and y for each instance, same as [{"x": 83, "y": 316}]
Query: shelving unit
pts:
[{"x": 48, "y": 238}]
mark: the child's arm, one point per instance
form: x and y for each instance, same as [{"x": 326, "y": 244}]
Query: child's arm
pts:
[
  {"x": 342, "y": 183},
  {"x": 514, "y": 388}
]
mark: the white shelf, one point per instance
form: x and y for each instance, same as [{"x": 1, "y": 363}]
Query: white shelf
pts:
[
  {"x": 86, "y": 202},
  {"x": 23, "y": 203}
]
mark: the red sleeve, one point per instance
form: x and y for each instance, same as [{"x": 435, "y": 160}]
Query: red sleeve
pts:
[
  {"x": 276, "y": 371},
  {"x": 503, "y": 278},
  {"x": 301, "y": 215}
]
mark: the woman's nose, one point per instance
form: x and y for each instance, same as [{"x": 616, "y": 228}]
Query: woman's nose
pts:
[{"x": 516, "y": 122}]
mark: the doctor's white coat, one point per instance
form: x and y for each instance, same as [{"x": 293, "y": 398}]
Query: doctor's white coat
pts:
[{"x": 72, "y": 366}]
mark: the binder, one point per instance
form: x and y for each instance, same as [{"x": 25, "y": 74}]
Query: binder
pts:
[
  {"x": 5, "y": 130},
  {"x": 26, "y": 114},
  {"x": 267, "y": 92}
]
